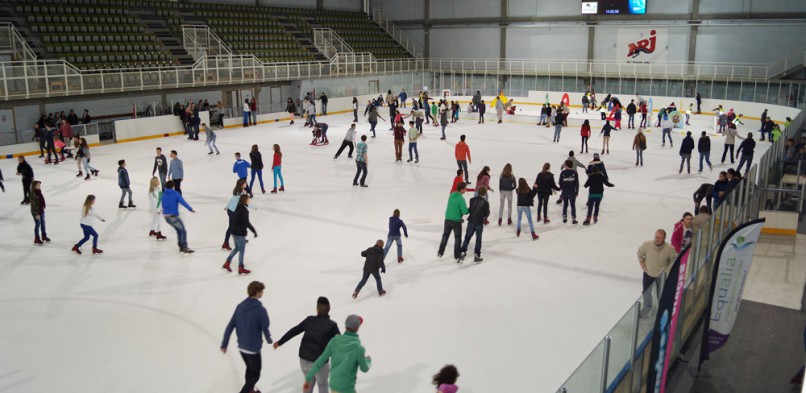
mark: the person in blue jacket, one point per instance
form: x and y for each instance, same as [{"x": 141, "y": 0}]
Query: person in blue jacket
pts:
[
  {"x": 720, "y": 189},
  {"x": 124, "y": 183},
  {"x": 176, "y": 171},
  {"x": 250, "y": 321},
  {"x": 395, "y": 223},
  {"x": 241, "y": 168},
  {"x": 403, "y": 97},
  {"x": 170, "y": 210}
]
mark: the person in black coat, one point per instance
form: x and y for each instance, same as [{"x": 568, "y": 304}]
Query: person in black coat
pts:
[
  {"x": 318, "y": 330},
  {"x": 545, "y": 185},
  {"x": 631, "y": 110},
  {"x": 256, "y": 166},
  {"x": 24, "y": 169},
  {"x": 569, "y": 184},
  {"x": 705, "y": 191},
  {"x": 239, "y": 223},
  {"x": 372, "y": 265},
  {"x": 479, "y": 211},
  {"x": 685, "y": 152},
  {"x": 704, "y": 148},
  {"x": 598, "y": 164},
  {"x": 595, "y": 183},
  {"x": 746, "y": 150}
]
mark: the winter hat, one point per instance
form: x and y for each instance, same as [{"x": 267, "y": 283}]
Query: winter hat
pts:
[
  {"x": 353, "y": 322},
  {"x": 595, "y": 156},
  {"x": 323, "y": 301}
]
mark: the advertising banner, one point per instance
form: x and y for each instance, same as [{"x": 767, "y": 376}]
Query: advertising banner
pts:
[{"x": 642, "y": 45}]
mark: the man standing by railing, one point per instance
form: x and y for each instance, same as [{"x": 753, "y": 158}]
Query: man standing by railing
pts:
[{"x": 654, "y": 256}]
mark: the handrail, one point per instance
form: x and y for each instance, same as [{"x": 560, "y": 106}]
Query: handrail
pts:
[
  {"x": 399, "y": 36},
  {"x": 17, "y": 42},
  {"x": 200, "y": 40},
  {"x": 329, "y": 43}
]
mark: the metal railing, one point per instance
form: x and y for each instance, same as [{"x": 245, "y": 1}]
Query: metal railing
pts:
[
  {"x": 329, "y": 43},
  {"x": 200, "y": 41},
  {"x": 618, "y": 361},
  {"x": 28, "y": 136},
  {"x": 402, "y": 38},
  {"x": 11, "y": 40},
  {"x": 781, "y": 66}
]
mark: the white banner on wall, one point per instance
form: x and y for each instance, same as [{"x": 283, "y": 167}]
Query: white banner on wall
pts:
[{"x": 642, "y": 46}]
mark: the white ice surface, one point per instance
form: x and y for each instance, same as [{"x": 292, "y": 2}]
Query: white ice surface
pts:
[{"x": 143, "y": 318}]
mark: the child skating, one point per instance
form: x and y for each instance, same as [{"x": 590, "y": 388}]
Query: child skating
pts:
[
  {"x": 239, "y": 222},
  {"x": 124, "y": 183},
  {"x": 395, "y": 224},
  {"x": 445, "y": 379},
  {"x": 526, "y": 199},
  {"x": 155, "y": 208},
  {"x": 373, "y": 265},
  {"x": 276, "y": 167},
  {"x": 88, "y": 217}
]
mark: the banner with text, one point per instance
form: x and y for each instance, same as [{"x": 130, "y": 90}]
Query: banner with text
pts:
[
  {"x": 732, "y": 266},
  {"x": 642, "y": 46}
]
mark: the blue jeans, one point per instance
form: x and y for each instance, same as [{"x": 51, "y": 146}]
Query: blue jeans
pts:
[
  {"x": 88, "y": 231},
  {"x": 742, "y": 160},
  {"x": 87, "y": 168},
  {"x": 639, "y": 156},
  {"x": 259, "y": 174},
  {"x": 456, "y": 228},
  {"x": 462, "y": 164},
  {"x": 593, "y": 204},
  {"x": 364, "y": 278},
  {"x": 557, "y": 129},
  {"x": 443, "y": 130},
  {"x": 179, "y": 226},
  {"x": 123, "y": 192},
  {"x": 569, "y": 200},
  {"x": 413, "y": 147},
  {"x": 360, "y": 166},
  {"x": 388, "y": 245},
  {"x": 707, "y": 156},
  {"x": 278, "y": 173},
  {"x": 476, "y": 229},
  {"x": 211, "y": 144},
  {"x": 667, "y": 132},
  {"x": 372, "y": 125},
  {"x": 40, "y": 223},
  {"x": 528, "y": 211},
  {"x": 246, "y": 119},
  {"x": 240, "y": 249}
]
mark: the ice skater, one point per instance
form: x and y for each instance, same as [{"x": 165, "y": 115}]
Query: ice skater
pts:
[
  {"x": 685, "y": 152},
  {"x": 176, "y": 172},
  {"x": 595, "y": 183},
  {"x": 479, "y": 210},
  {"x": 210, "y": 141},
  {"x": 84, "y": 154},
  {"x": 88, "y": 217},
  {"x": 373, "y": 265},
  {"x": 395, "y": 224},
  {"x": 585, "y": 133},
  {"x": 160, "y": 167},
  {"x": 559, "y": 120},
  {"x": 37, "y": 201},
  {"x": 250, "y": 321},
  {"x": 639, "y": 145},
  {"x": 24, "y": 169},
  {"x": 462, "y": 153},
  {"x": 171, "y": 200},
  {"x": 125, "y": 185},
  {"x": 361, "y": 162},
  {"x": 506, "y": 186},
  {"x": 704, "y": 148},
  {"x": 347, "y": 356},
  {"x": 414, "y": 134},
  {"x": 155, "y": 208},
  {"x": 457, "y": 208},
  {"x": 569, "y": 186},
  {"x": 237, "y": 192},
  {"x": 545, "y": 186},
  {"x": 256, "y": 168},
  {"x": 605, "y": 134},
  {"x": 445, "y": 380},
  {"x": 348, "y": 141},
  {"x": 526, "y": 199},
  {"x": 291, "y": 108},
  {"x": 276, "y": 168},
  {"x": 239, "y": 223},
  {"x": 746, "y": 150},
  {"x": 241, "y": 168}
]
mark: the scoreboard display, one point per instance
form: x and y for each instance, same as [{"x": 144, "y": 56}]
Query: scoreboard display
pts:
[{"x": 614, "y": 7}]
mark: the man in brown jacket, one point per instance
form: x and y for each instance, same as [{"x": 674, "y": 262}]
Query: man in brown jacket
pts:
[{"x": 655, "y": 256}]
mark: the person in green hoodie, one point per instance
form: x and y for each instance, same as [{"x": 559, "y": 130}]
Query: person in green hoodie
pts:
[
  {"x": 346, "y": 355},
  {"x": 457, "y": 207}
]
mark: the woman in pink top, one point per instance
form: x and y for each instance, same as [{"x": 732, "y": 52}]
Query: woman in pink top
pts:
[
  {"x": 483, "y": 180},
  {"x": 445, "y": 380}
]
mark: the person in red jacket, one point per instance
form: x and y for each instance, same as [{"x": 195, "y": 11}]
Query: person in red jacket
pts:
[
  {"x": 462, "y": 153},
  {"x": 276, "y": 168},
  {"x": 683, "y": 233},
  {"x": 585, "y": 132},
  {"x": 458, "y": 179},
  {"x": 400, "y": 135}
]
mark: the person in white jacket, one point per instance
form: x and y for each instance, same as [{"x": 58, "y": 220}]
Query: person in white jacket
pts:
[
  {"x": 88, "y": 217},
  {"x": 155, "y": 208}
]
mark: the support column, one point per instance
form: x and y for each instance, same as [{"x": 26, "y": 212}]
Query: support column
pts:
[
  {"x": 503, "y": 27},
  {"x": 591, "y": 39},
  {"x": 692, "y": 40},
  {"x": 320, "y": 5},
  {"x": 426, "y": 28}
]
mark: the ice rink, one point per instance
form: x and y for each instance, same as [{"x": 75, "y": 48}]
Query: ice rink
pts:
[{"x": 143, "y": 318}]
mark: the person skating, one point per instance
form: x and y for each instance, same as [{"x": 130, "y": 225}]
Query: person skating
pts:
[
  {"x": 372, "y": 119},
  {"x": 399, "y": 138},
  {"x": 526, "y": 199},
  {"x": 373, "y": 265},
  {"x": 605, "y": 134},
  {"x": 457, "y": 207},
  {"x": 506, "y": 186},
  {"x": 176, "y": 172},
  {"x": 171, "y": 199},
  {"x": 595, "y": 184},
  {"x": 598, "y": 164},
  {"x": 256, "y": 167},
  {"x": 250, "y": 321},
  {"x": 291, "y": 108},
  {"x": 240, "y": 189},
  {"x": 667, "y": 130},
  {"x": 125, "y": 185},
  {"x": 349, "y": 138},
  {"x": 730, "y": 141},
  {"x": 569, "y": 186},
  {"x": 241, "y": 169},
  {"x": 683, "y": 233},
  {"x": 88, "y": 217},
  {"x": 445, "y": 379},
  {"x": 631, "y": 110},
  {"x": 210, "y": 139},
  {"x": 559, "y": 120},
  {"x": 320, "y": 129},
  {"x": 639, "y": 145},
  {"x": 704, "y": 148},
  {"x": 499, "y": 105},
  {"x": 545, "y": 186},
  {"x": 443, "y": 121},
  {"x": 576, "y": 165},
  {"x": 655, "y": 257},
  {"x": 462, "y": 153},
  {"x": 414, "y": 134},
  {"x": 395, "y": 224},
  {"x": 85, "y": 156},
  {"x": 239, "y": 223},
  {"x": 482, "y": 108},
  {"x": 361, "y": 162},
  {"x": 685, "y": 152},
  {"x": 346, "y": 355},
  {"x": 479, "y": 211},
  {"x": 37, "y": 201},
  {"x": 317, "y": 331},
  {"x": 247, "y": 110},
  {"x": 155, "y": 208},
  {"x": 746, "y": 150},
  {"x": 160, "y": 167},
  {"x": 585, "y": 133},
  {"x": 277, "y": 168},
  {"x": 24, "y": 169}
]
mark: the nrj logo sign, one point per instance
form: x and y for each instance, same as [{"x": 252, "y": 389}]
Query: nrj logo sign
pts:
[{"x": 646, "y": 45}]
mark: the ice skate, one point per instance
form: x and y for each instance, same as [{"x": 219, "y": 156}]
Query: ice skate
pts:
[
  {"x": 152, "y": 233},
  {"x": 499, "y": 222},
  {"x": 509, "y": 221},
  {"x": 121, "y": 206},
  {"x": 75, "y": 249},
  {"x": 159, "y": 236},
  {"x": 574, "y": 221},
  {"x": 97, "y": 251},
  {"x": 80, "y": 174},
  {"x": 282, "y": 189},
  {"x": 132, "y": 205},
  {"x": 518, "y": 232},
  {"x": 595, "y": 219},
  {"x": 37, "y": 241},
  {"x": 381, "y": 293},
  {"x": 263, "y": 190},
  {"x": 546, "y": 220},
  {"x": 534, "y": 236},
  {"x": 273, "y": 191},
  {"x": 226, "y": 267},
  {"x": 88, "y": 177},
  {"x": 587, "y": 221},
  {"x": 243, "y": 270},
  {"x": 45, "y": 238},
  {"x": 226, "y": 246},
  {"x": 186, "y": 251},
  {"x": 477, "y": 258},
  {"x": 399, "y": 259},
  {"x": 355, "y": 294},
  {"x": 460, "y": 258}
]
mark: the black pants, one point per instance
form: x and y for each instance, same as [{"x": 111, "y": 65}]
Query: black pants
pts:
[
  {"x": 643, "y": 120},
  {"x": 647, "y": 282},
  {"x": 355, "y": 115},
  {"x": 360, "y": 167},
  {"x": 456, "y": 228},
  {"x": 253, "y": 365},
  {"x": 344, "y": 144},
  {"x": 542, "y": 205},
  {"x": 178, "y": 185},
  {"x": 631, "y": 120},
  {"x": 365, "y": 277},
  {"x": 728, "y": 147},
  {"x": 41, "y": 147},
  {"x": 481, "y": 117},
  {"x": 229, "y": 226},
  {"x": 26, "y": 187}
]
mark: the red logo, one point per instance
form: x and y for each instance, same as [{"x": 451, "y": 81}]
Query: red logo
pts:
[{"x": 643, "y": 46}]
